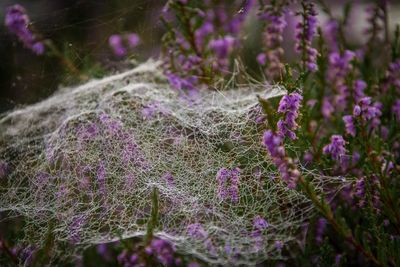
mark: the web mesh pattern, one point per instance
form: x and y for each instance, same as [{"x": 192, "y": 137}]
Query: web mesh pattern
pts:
[{"x": 87, "y": 159}]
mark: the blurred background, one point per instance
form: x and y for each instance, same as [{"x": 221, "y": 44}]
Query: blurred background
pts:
[{"x": 81, "y": 29}]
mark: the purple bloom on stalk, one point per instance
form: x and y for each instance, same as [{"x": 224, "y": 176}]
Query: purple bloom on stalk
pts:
[
  {"x": 274, "y": 145},
  {"x": 17, "y": 22},
  {"x": 339, "y": 67},
  {"x": 169, "y": 179},
  {"x": 133, "y": 40},
  {"x": 196, "y": 230},
  {"x": 327, "y": 109},
  {"x": 336, "y": 148},
  {"x": 228, "y": 184},
  {"x": 180, "y": 83},
  {"x": 260, "y": 223},
  {"x": 305, "y": 32},
  {"x": 150, "y": 110},
  {"x": 278, "y": 245},
  {"x": 320, "y": 229},
  {"x": 367, "y": 110},
  {"x": 261, "y": 59},
  {"x": 201, "y": 34},
  {"x": 163, "y": 250},
  {"x": 222, "y": 48},
  {"x": 289, "y": 106},
  {"x": 331, "y": 30},
  {"x": 349, "y": 125},
  {"x": 393, "y": 76},
  {"x": 115, "y": 42},
  {"x": 272, "y": 38},
  {"x": 359, "y": 87}
]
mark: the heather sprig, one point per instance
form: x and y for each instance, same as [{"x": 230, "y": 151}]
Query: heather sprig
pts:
[
  {"x": 306, "y": 29},
  {"x": 272, "y": 15},
  {"x": 198, "y": 51},
  {"x": 18, "y": 22}
]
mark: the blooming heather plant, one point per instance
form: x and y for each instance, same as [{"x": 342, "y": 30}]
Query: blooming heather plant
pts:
[
  {"x": 199, "y": 49},
  {"x": 304, "y": 177},
  {"x": 121, "y": 44},
  {"x": 273, "y": 16},
  {"x": 17, "y": 21}
]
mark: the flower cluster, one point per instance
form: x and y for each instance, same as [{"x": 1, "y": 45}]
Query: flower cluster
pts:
[
  {"x": 365, "y": 111},
  {"x": 336, "y": 148},
  {"x": 273, "y": 17},
  {"x": 163, "y": 251},
  {"x": 305, "y": 32},
  {"x": 17, "y": 22},
  {"x": 201, "y": 51},
  {"x": 288, "y": 171},
  {"x": 228, "y": 184},
  {"x": 340, "y": 66},
  {"x": 289, "y": 106},
  {"x": 117, "y": 43}
]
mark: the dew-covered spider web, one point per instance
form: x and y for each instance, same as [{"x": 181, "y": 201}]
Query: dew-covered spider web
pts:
[{"x": 87, "y": 159}]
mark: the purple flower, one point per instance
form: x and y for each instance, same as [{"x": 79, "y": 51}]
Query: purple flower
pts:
[
  {"x": 197, "y": 231},
  {"x": 180, "y": 83},
  {"x": 359, "y": 86},
  {"x": 169, "y": 179},
  {"x": 163, "y": 250},
  {"x": 339, "y": 67},
  {"x": 202, "y": 33},
  {"x": 273, "y": 17},
  {"x": 278, "y": 245},
  {"x": 287, "y": 170},
  {"x": 327, "y": 108},
  {"x": 17, "y": 22},
  {"x": 150, "y": 110},
  {"x": 260, "y": 223},
  {"x": 75, "y": 229},
  {"x": 305, "y": 32},
  {"x": 336, "y": 148},
  {"x": 228, "y": 184},
  {"x": 222, "y": 46},
  {"x": 115, "y": 42},
  {"x": 87, "y": 132},
  {"x": 320, "y": 229},
  {"x": 368, "y": 111},
  {"x": 331, "y": 30},
  {"x": 261, "y": 59},
  {"x": 393, "y": 76},
  {"x": 133, "y": 40},
  {"x": 349, "y": 125},
  {"x": 289, "y": 106}
]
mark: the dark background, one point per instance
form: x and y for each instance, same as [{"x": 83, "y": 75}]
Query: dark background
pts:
[{"x": 80, "y": 29}]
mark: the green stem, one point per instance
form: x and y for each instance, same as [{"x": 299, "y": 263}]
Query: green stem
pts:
[
  {"x": 326, "y": 211},
  {"x": 65, "y": 61}
]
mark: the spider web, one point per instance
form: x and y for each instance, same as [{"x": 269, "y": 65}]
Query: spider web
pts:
[{"x": 87, "y": 159}]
